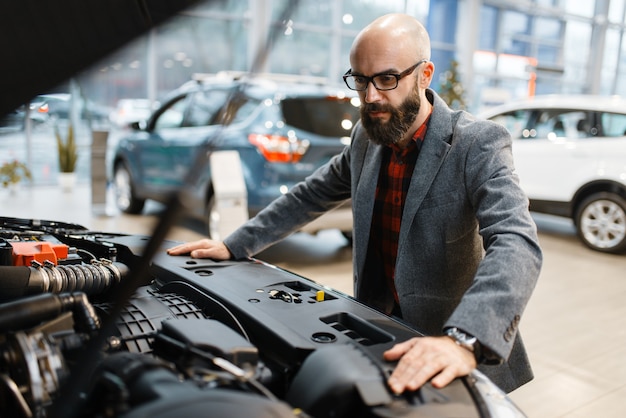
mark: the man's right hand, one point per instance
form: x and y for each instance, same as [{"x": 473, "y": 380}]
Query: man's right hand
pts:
[{"x": 204, "y": 248}]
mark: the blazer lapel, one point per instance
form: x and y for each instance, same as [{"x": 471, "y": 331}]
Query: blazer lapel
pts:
[
  {"x": 364, "y": 201},
  {"x": 430, "y": 159}
]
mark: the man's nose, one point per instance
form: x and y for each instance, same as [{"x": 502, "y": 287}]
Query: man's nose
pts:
[{"x": 372, "y": 94}]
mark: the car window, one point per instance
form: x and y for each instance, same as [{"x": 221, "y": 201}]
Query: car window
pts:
[
  {"x": 172, "y": 117},
  {"x": 613, "y": 124},
  {"x": 326, "y": 116},
  {"x": 557, "y": 123},
  {"x": 516, "y": 123},
  {"x": 235, "y": 110},
  {"x": 246, "y": 110},
  {"x": 204, "y": 107},
  {"x": 549, "y": 124}
]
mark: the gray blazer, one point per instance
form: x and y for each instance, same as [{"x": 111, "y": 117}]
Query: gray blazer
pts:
[{"x": 468, "y": 254}]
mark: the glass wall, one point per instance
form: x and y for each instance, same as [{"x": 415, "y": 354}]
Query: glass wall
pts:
[
  {"x": 510, "y": 49},
  {"x": 505, "y": 49}
]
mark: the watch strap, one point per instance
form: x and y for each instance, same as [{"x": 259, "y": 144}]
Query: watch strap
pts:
[{"x": 465, "y": 340}]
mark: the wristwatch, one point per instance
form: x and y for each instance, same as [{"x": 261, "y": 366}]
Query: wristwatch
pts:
[{"x": 466, "y": 341}]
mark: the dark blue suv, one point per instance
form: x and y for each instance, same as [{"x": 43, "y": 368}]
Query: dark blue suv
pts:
[{"x": 283, "y": 128}]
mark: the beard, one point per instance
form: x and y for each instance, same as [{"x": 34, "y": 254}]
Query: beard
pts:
[{"x": 401, "y": 118}]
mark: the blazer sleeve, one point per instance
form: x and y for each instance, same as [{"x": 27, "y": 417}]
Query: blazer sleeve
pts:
[
  {"x": 492, "y": 306},
  {"x": 327, "y": 188}
]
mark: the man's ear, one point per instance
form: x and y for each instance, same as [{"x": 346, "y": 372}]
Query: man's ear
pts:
[{"x": 427, "y": 74}]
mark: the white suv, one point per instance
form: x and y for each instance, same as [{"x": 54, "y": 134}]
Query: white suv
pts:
[{"x": 570, "y": 154}]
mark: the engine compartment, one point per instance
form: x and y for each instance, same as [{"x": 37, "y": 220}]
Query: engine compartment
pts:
[{"x": 198, "y": 338}]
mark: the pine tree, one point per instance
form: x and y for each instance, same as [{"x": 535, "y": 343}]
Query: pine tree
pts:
[{"x": 450, "y": 89}]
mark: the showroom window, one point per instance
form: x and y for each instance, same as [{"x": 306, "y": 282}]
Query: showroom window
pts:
[
  {"x": 488, "y": 28},
  {"x": 619, "y": 79},
  {"x": 516, "y": 49},
  {"x": 575, "y": 58},
  {"x": 515, "y": 33},
  {"x": 198, "y": 44}
]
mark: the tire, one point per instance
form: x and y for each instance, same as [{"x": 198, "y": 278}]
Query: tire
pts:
[
  {"x": 601, "y": 222},
  {"x": 125, "y": 198}
]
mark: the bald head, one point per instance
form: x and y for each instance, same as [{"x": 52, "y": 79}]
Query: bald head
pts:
[
  {"x": 393, "y": 45},
  {"x": 393, "y": 34}
]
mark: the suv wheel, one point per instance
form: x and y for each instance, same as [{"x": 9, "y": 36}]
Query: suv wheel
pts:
[
  {"x": 601, "y": 222},
  {"x": 125, "y": 198}
]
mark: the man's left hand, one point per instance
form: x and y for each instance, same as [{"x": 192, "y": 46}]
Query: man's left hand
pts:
[{"x": 438, "y": 359}]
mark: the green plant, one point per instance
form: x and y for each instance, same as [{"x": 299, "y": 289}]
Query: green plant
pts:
[
  {"x": 68, "y": 153},
  {"x": 13, "y": 172}
]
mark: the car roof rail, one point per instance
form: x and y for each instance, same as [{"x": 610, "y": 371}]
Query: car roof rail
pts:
[{"x": 279, "y": 78}]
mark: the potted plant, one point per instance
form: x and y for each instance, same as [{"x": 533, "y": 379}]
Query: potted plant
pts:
[
  {"x": 12, "y": 172},
  {"x": 68, "y": 156}
]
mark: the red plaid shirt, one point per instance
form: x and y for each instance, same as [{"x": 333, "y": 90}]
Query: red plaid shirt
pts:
[{"x": 393, "y": 184}]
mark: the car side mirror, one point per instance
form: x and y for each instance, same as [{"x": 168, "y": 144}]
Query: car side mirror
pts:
[{"x": 138, "y": 126}]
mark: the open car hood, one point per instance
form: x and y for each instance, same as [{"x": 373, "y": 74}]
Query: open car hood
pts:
[{"x": 238, "y": 338}]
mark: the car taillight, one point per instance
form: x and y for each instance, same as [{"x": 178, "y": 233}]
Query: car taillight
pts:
[{"x": 279, "y": 149}]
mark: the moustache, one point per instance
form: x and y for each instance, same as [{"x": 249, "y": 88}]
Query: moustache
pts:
[{"x": 375, "y": 107}]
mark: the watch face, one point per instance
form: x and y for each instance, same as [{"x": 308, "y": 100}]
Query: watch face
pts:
[
  {"x": 462, "y": 338},
  {"x": 470, "y": 340}
]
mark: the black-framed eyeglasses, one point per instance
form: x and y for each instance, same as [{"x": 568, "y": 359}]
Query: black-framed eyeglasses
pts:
[{"x": 382, "y": 81}]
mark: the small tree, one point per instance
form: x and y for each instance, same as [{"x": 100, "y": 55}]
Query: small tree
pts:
[
  {"x": 68, "y": 153},
  {"x": 450, "y": 89},
  {"x": 12, "y": 172}
]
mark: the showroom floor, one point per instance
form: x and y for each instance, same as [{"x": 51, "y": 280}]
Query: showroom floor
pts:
[{"x": 574, "y": 326}]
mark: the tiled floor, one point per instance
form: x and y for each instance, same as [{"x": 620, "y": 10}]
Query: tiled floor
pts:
[{"x": 574, "y": 326}]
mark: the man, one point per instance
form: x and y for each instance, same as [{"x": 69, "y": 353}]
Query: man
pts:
[{"x": 442, "y": 233}]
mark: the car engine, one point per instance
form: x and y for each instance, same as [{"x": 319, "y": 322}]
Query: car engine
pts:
[{"x": 197, "y": 338}]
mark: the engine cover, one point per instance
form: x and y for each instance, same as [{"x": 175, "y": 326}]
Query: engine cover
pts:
[{"x": 83, "y": 334}]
